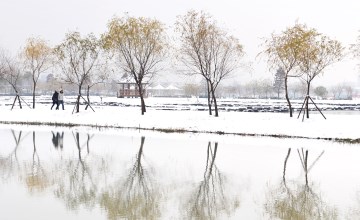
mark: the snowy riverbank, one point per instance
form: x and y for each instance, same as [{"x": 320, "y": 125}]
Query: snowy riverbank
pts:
[{"x": 344, "y": 125}]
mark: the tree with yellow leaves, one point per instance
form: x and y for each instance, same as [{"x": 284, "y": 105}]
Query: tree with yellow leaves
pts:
[
  {"x": 139, "y": 47},
  {"x": 319, "y": 52},
  {"x": 283, "y": 51},
  {"x": 37, "y": 57}
]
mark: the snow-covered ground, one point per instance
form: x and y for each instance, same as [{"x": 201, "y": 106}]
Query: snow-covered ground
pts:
[{"x": 235, "y": 116}]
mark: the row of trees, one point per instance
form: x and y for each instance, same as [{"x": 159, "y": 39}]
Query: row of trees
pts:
[
  {"x": 267, "y": 89},
  {"x": 263, "y": 88},
  {"x": 137, "y": 47}
]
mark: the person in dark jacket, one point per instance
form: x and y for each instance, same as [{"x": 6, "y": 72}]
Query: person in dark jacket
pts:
[{"x": 55, "y": 98}]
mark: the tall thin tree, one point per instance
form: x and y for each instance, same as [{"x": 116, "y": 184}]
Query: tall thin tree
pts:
[
  {"x": 208, "y": 51},
  {"x": 37, "y": 57}
]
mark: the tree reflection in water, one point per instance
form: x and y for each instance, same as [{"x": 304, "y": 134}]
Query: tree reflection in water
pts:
[
  {"x": 30, "y": 171},
  {"x": 9, "y": 164},
  {"x": 36, "y": 177},
  {"x": 209, "y": 199},
  {"x": 135, "y": 197},
  {"x": 76, "y": 185},
  {"x": 296, "y": 200}
]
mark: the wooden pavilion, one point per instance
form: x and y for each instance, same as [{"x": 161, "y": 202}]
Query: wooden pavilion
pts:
[{"x": 130, "y": 90}]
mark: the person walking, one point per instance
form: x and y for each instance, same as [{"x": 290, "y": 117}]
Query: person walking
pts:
[
  {"x": 60, "y": 100},
  {"x": 55, "y": 99}
]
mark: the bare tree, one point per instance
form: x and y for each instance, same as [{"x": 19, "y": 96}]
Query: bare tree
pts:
[
  {"x": 10, "y": 73},
  {"x": 139, "y": 46},
  {"x": 78, "y": 57},
  {"x": 355, "y": 48},
  {"x": 336, "y": 90},
  {"x": 266, "y": 88},
  {"x": 37, "y": 57},
  {"x": 349, "y": 92},
  {"x": 207, "y": 50},
  {"x": 252, "y": 88},
  {"x": 191, "y": 89}
]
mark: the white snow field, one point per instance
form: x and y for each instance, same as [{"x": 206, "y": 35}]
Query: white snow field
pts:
[{"x": 236, "y": 116}]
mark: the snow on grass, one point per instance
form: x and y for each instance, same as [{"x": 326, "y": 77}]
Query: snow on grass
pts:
[{"x": 273, "y": 124}]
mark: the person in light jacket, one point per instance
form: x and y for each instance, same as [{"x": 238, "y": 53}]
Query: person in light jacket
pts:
[{"x": 60, "y": 100}]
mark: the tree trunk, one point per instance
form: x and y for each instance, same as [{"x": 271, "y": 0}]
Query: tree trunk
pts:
[
  {"x": 287, "y": 97},
  {"x": 143, "y": 107},
  {"x": 215, "y": 103},
  {"x": 34, "y": 143},
  {"x": 213, "y": 159},
  {"x": 78, "y": 104},
  {"x": 306, "y": 168},
  {"x": 209, "y": 98},
  {"x": 33, "y": 94},
  {"x": 87, "y": 142},
  {"x": 88, "y": 97},
  {"x": 285, "y": 162},
  {"x": 78, "y": 145},
  {"x": 78, "y": 101},
  {"x": 307, "y": 100},
  {"x": 140, "y": 153},
  {"x": 14, "y": 102},
  {"x": 19, "y": 101}
]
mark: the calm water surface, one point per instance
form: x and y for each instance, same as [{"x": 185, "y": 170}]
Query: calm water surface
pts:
[{"x": 62, "y": 173}]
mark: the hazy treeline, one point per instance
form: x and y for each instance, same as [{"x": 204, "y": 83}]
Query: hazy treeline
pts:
[{"x": 139, "y": 50}]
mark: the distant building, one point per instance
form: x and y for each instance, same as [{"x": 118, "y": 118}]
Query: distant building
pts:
[
  {"x": 129, "y": 89},
  {"x": 169, "y": 91}
]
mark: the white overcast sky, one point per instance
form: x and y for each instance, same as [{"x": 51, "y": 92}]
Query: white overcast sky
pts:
[{"x": 248, "y": 20}]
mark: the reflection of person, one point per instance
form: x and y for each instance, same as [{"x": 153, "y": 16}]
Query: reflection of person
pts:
[
  {"x": 55, "y": 139},
  {"x": 60, "y": 100},
  {"x": 55, "y": 99},
  {"x": 61, "y": 138}
]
